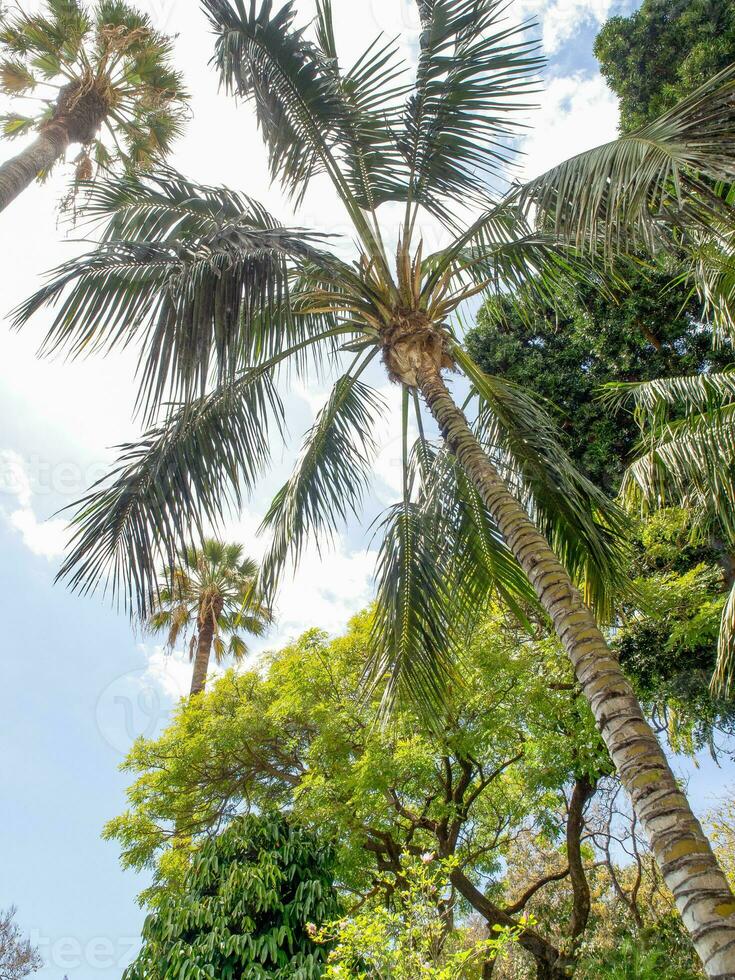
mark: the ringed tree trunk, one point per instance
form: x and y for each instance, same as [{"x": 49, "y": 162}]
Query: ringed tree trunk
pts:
[
  {"x": 207, "y": 621},
  {"x": 17, "y": 173},
  {"x": 80, "y": 108},
  {"x": 684, "y": 855}
]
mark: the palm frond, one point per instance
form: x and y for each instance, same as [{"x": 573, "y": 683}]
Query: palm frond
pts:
[
  {"x": 689, "y": 460},
  {"x": 478, "y": 562},
  {"x": 190, "y": 273},
  {"x": 457, "y": 129},
  {"x": 363, "y": 139},
  {"x": 633, "y": 191},
  {"x": 501, "y": 252},
  {"x": 262, "y": 56},
  {"x": 724, "y": 675},
  {"x": 181, "y": 475},
  {"x": 710, "y": 268},
  {"x": 414, "y": 635},
  {"x": 585, "y": 528},
  {"x": 330, "y": 477},
  {"x": 652, "y": 400}
]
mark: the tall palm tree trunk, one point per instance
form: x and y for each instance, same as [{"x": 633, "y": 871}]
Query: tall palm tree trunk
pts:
[
  {"x": 204, "y": 652},
  {"x": 683, "y": 853},
  {"x": 21, "y": 170}
]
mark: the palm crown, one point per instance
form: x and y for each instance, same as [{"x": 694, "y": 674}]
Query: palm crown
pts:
[
  {"x": 102, "y": 73},
  {"x": 222, "y": 298},
  {"x": 213, "y": 590},
  {"x": 218, "y": 292}
]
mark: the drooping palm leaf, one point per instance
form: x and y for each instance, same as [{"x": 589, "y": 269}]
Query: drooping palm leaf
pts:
[
  {"x": 634, "y": 190},
  {"x": 184, "y": 472},
  {"x": 188, "y": 272},
  {"x": 689, "y": 460},
  {"x": 585, "y": 528},
  {"x": 724, "y": 675},
  {"x": 479, "y": 563},
  {"x": 330, "y": 476},
  {"x": 414, "y": 637}
]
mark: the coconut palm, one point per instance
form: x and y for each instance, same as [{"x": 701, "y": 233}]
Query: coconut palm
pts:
[
  {"x": 214, "y": 590},
  {"x": 688, "y": 460},
  {"x": 97, "y": 76},
  {"x": 221, "y": 299}
]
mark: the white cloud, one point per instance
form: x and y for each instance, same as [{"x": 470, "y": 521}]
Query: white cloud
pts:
[
  {"x": 47, "y": 539},
  {"x": 170, "y": 672},
  {"x": 44, "y": 538},
  {"x": 577, "y": 113},
  {"x": 325, "y": 591},
  {"x": 561, "y": 19},
  {"x": 14, "y": 477}
]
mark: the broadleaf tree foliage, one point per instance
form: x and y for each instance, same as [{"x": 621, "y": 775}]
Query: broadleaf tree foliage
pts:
[
  {"x": 249, "y": 898},
  {"x": 646, "y": 189}
]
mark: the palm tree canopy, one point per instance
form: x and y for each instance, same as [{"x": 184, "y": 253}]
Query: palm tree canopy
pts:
[
  {"x": 218, "y": 294},
  {"x": 100, "y": 70},
  {"x": 212, "y": 582}
]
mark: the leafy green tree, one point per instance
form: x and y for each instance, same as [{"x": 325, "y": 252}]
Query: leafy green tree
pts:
[
  {"x": 297, "y": 735},
  {"x": 252, "y": 296},
  {"x": 654, "y": 328},
  {"x": 104, "y": 80},
  {"x": 668, "y": 641},
  {"x": 214, "y": 588},
  {"x": 409, "y": 939},
  {"x": 663, "y": 51},
  {"x": 252, "y": 898},
  {"x": 689, "y": 461},
  {"x": 658, "y": 55}
]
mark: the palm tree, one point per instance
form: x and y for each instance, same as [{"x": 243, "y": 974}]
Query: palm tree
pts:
[
  {"x": 100, "y": 77},
  {"x": 222, "y": 298},
  {"x": 214, "y": 588},
  {"x": 688, "y": 460}
]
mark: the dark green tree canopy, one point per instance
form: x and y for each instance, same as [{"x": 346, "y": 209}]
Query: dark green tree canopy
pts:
[
  {"x": 654, "y": 329},
  {"x": 250, "y": 901},
  {"x": 662, "y": 52}
]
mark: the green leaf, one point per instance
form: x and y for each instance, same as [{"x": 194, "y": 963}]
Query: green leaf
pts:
[
  {"x": 586, "y": 529},
  {"x": 631, "y": 192},
  {"x": 473, "y": 70},
  {"x": 188, "y": 272},
  {"x": 182, "y": 473},
  {"x": 330, "y": 476}
]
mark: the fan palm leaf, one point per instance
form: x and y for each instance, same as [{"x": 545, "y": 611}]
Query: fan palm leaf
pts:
[
  {"x": 213, "y": 590},
  {"x": 102, "y": 78},
  {"x": 330, "y": 477}
]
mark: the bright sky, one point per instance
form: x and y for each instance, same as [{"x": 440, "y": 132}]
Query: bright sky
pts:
[{"x": 78, "y": 684}]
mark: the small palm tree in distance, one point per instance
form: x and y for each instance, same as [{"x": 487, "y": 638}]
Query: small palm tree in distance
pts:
[{"x": 214, "y": 588}]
